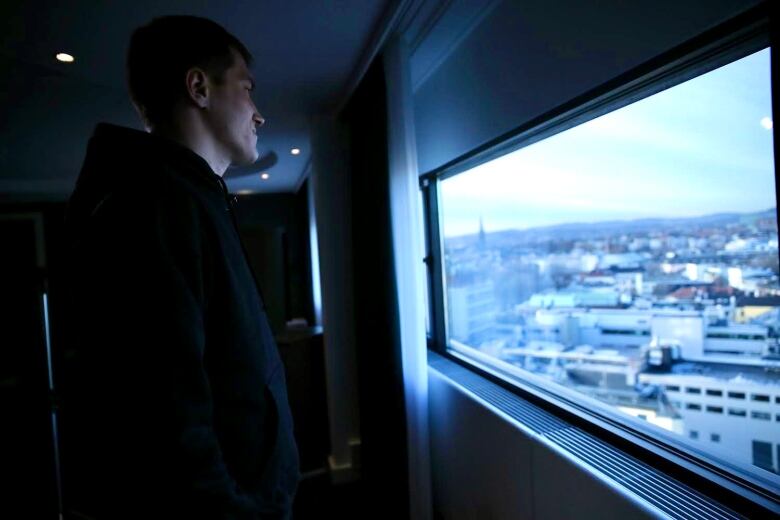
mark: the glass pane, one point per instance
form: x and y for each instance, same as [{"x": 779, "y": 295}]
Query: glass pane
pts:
[{"x": 633, "y": 259}]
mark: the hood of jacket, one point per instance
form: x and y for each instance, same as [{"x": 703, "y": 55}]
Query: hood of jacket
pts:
[{"x": 121, "y": 156}]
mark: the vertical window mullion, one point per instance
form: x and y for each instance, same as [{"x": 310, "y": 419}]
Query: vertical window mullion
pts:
[{"x": 434, "y": 262}]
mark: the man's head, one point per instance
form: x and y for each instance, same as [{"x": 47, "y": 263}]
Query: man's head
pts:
[{"x": 185, "y": 69}]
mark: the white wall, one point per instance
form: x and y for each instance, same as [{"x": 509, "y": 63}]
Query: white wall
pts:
[
  {"x": 486, "y": 467},
  {"x": 331, "y": 203}
]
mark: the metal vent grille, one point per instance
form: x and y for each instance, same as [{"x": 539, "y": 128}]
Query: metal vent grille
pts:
[
  {"x": 666, "y": 494},
  {"x": 672, "y": 497},
  {"x": 524, "y": 412}
]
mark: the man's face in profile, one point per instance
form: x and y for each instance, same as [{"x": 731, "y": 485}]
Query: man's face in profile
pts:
[{"x": 233, "y": 114}]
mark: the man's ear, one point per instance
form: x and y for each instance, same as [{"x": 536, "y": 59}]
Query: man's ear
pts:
[{"x": 197, "y": 85}]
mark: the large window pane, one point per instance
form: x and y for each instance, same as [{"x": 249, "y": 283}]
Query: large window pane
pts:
[{"x": 634, "y": 259}]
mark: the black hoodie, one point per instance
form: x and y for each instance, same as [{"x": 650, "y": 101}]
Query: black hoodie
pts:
[{"x": 173, "y": 394}]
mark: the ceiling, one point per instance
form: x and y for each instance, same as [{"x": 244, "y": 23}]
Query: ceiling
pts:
[{"x": 308, "y": 57}]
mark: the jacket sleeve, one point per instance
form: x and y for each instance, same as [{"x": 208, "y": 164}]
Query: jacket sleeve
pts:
[{"x": 161, "y": 248}]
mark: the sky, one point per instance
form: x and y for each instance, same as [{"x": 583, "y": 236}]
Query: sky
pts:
[{"x": 698, "y": 148}]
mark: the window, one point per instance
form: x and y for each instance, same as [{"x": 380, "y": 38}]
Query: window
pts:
[
  {"x": 610, "y": 264},
  {"x": 762, "y": 455},
  {"x": 618, "y": 332},
  {"x": 720, "y": 335},
  {"x": 764, "y": 416},
  {"x": 561, "y": 240}
]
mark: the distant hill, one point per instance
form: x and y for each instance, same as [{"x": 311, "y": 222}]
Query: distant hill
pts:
[{"x": 596, "y": 230}]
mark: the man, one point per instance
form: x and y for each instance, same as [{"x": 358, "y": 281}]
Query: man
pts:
[{"x": 174, "y": 400}]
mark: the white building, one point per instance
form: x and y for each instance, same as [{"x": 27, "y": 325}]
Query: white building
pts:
[
  {"x": 700, "y": 335},
  {"x": 472, "y": 312},
  {"x": 732, "y": 410}
]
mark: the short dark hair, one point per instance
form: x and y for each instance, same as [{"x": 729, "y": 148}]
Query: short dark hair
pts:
[{"x": 162, "y": 51}]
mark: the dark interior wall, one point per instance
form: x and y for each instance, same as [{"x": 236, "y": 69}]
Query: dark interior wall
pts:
[
  {"x": 275, "y": 230},
  {"x": 54, "y": 241},
  {"x": 526, "y": 58},
  {"x": 26, "y": 439},
  {"x": 384, "y": 457}
]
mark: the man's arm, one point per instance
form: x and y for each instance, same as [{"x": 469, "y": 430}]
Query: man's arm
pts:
[{"x": 159, "y": 249}]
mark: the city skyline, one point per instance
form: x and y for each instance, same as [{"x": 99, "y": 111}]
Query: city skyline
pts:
[
  {"x": 598, "y": 222},
  {"x": 667, "y": 156}
]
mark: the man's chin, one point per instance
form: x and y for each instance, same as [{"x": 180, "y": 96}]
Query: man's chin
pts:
[
  {"x": 253, "y": 155},
  {"x": 246, "y": 160}
]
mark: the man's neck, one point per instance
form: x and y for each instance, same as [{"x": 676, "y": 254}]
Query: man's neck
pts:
[{"x": 198, "y": 142}]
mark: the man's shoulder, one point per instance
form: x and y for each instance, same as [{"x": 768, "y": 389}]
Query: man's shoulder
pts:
[
  {"x": 159, "y": 183},
  {"x": 175, "y": 183},
  {"x": 136, "y": 206}
]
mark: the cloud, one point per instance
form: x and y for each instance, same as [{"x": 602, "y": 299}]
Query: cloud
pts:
[{"x": 691, "y": 150}]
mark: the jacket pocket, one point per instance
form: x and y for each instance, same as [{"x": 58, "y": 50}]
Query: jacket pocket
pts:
[{"x": 283, "y": 472}]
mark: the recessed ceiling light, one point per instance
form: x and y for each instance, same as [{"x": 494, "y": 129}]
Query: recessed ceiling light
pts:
[
  {"x": 295, "y": 151},
  {"x": 265, "y": 176},
  {"x": 65, "y": 58}
]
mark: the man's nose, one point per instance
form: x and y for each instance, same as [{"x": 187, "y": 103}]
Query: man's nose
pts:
[{"x": 259, "y": 120}]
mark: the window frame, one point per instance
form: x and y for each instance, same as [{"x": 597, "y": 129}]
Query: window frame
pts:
[{"x": 734, "y": 39}]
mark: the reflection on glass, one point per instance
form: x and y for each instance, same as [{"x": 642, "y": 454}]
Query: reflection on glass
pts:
[{"x": 634, "y": 259}]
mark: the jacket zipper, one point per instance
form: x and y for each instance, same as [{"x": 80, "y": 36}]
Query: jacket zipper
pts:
[{"x": 232, "y": 201}]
